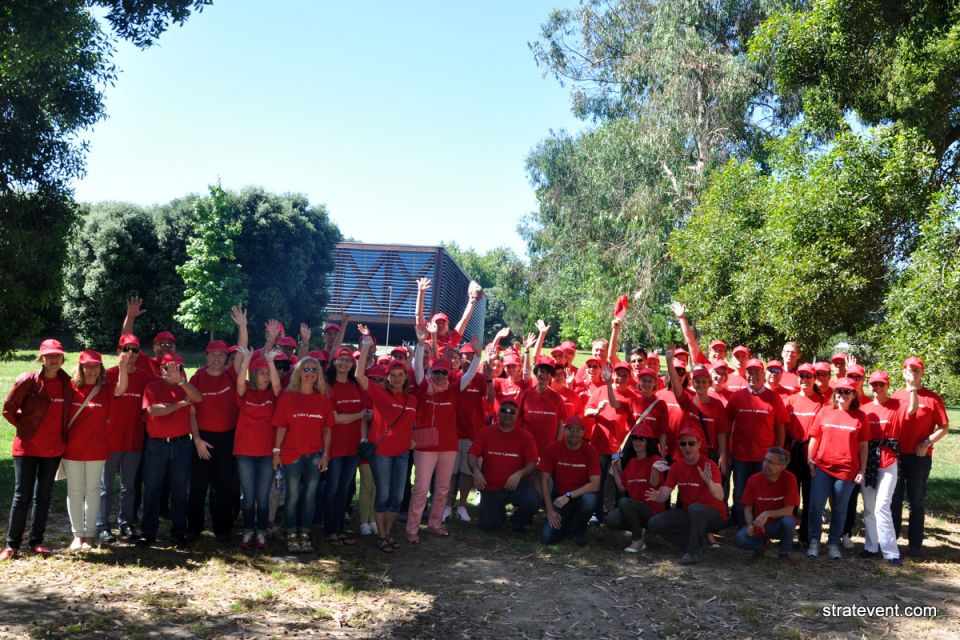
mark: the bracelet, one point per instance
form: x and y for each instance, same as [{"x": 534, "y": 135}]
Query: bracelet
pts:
[{"x": 276, "y": 451}]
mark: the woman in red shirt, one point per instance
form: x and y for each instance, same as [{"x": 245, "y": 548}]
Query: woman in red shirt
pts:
[
  {"x": 837, "y": 457},
  {"x": 36, "y": 407},
  {"x": 302, "y": 413},
  {"x": 253, "y": 441},
  {"x": 640, "y": 473},
  {"x": 88, "y": 446}
]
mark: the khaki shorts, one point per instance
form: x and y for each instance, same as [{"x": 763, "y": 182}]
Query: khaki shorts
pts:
[{"x": 462, "y": 464}]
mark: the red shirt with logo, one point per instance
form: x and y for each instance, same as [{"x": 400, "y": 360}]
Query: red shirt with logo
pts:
[
  {"x": 752, "y": 417},
  {"x": 88, "y": 436},
  {"x": 916, "y": 428},
  {"x": 471, "y": 416},
  {"x": 802, "y": 410},
  {"x": 676, "y": 417},
  {"x": 47, "y": 441},
  {"x": 172, "y": 425},
  {"x": 126, "y": 426},
  {"x": 218, "y": 410},
  {"x": 692, "y": 489},
  {"x": 255, "y": 434},
  {"x": 396, "y": 409},
  {"x": 763, "y": 495},
  {"x": 540, "y": 413},
  {"x": 570, "y": 468},
  {"x": 347, "y": 398},
  {"x": 304, "y": 416},
  {"x": 502, "y": 453},
  {"x": 439, "y": 409},
  {"x": 636, "y": 480},
  {"x": 505, "y": 388},
  {"x": 657, "y": 418},
  {"x": 886, "y": 421},
  {"x": 839, "y": 434},
  {"x": 710, "y": 416}
]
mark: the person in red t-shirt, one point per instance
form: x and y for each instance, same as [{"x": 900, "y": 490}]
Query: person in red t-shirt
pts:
[
  {"x": 802, "y": 408},
  {"x": 445, "y": 335},
  {"x": 929, "y": 424},
  {"x": 718, "y": 348},
  {"x": 703, "y": 413},
  {"x": 253, "y": 443},
  {"x": 37, "y": 407},
  {"x": 774, "y": 376},
  {"x": 540, "y": 408},
  {"x": 885, "y": 416},
  {"x": 698, "y": 482},
  {"x": 823, "y": 375},
  {"x": 169, "y": 452},
  {"x": 736, "y": 378},
  {"x": 837, "y": 456},
  {"x": 87, "y": 443},
  {"x": 640, "y": 472},
  {"x": 214, "y": 467},
  {"x": 768, "y": 505},
  {"x": 569, "y": 481},
  {"x": 572, "y": 404},
  {"x": 790, "y": 356},
  {"x": 609, "y": 407},
  {"x": 502, "y": 459},
  {"x": 471, "y": 418}
]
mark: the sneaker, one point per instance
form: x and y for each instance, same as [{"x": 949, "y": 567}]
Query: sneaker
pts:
[
  {"x": 594, "y": 521},
  {"x": 76, "y": 544},
  {"x": 293, "y": 543},
  {"x": 462, "y": 514},
  {"x": 914, "y": 552},
  {"x": 41, "y": 550},
  {"x": 305, "y": 545},
  {"x": 247, "y": 543},
  {"x": 365, "y": 529},
  {"x": 847, "y": 542},
  {"x": 813, "y": 550},
  {"x": 688, "y": 559},
  {"x": 833, "y": 550},
  {"x": 447, "y": 513},
  {"x": 8, "y": 553},
  {"x": 262, "y": 543},
  {"x": 373, "y": 528},
  {"x": 895, "y": 563},
  {"x": 129, "y": 533},
  {"x": 868, "y": 555},
  {"x": 106, "y": 537},
  {"x": 86, "y": 543}
]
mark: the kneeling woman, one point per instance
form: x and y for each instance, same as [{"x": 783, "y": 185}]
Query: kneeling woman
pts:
[
  {"x": 701, "y": 495},
  {"x": 640, "y": 473},
  {"x": 837, "y": 457},
  {"x": 303, "y": 411}
]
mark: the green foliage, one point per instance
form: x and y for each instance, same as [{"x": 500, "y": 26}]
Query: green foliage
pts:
[
  {"x": 142, "y": 21},
  {"x": 211, "y": 275}
]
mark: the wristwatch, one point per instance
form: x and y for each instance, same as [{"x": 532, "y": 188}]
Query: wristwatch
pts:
[
  {"x": 569, "y": 495},
  {"x": 275, "y": 450}
]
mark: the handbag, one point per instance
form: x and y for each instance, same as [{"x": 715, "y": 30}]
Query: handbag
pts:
[
  {"x": 61, "y": 471},
  {"x": 368, "y": 450},
  {"x": 426, "y": 437}
]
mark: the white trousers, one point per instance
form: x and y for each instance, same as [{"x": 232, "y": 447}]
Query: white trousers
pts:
[
  {"x": 877, "y": 516},
  {"x": 83, "y": 495}
]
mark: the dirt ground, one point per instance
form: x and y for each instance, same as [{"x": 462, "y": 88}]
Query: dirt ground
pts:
[{"x": 472, "y": 585}]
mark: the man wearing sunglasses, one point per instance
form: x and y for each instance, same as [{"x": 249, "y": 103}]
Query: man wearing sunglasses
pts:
[
  {"x": 502, "y": 460},
  {"x": 163, "y": 343}
]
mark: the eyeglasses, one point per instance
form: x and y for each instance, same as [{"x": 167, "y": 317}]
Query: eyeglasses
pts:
[
  {"x": 854, "y": 376},
  {"x": 130, "y": 349},
  {"x": 844, "y": 392},
  {"x": 774, "y": 370},
  {"x": 688, "y": 443},
  {"x": 166, "y": 344},
  {"x": 509, "y": 412},
  {"x": 441, "y": 373},
  {"x": 824, "y": 374},
  {"x": 310, "y": 369}
]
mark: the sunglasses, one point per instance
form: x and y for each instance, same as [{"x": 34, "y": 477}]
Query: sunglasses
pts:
[
  {"x": 311, "y": 369},
  {"x": 774, "y": 370},
  {"x": 855, "y": 377},
  {"x": 844, "y": 392},
  {"x": 805, "y": 376},
  {"x": 509, "y": 412},
  {"x": 824, "y": 374},
  {"x": 441, "y": 373},
  {"x": 130, "y": 349},
  {"x": 688, "y": 443}
]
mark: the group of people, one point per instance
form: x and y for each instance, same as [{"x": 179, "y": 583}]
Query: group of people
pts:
[{"x": 608, "y": 442}]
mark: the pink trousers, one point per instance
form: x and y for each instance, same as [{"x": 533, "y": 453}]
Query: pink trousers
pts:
[{"x": 426, "y": 463}]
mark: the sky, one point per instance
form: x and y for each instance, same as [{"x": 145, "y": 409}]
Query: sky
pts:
[{"x": 411, "y": 121}]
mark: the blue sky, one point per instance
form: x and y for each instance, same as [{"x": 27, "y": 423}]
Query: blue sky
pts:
[{"x": 411, "y": 121}]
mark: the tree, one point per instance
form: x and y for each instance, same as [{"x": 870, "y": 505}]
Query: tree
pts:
[{"x": 211, "y": 275}]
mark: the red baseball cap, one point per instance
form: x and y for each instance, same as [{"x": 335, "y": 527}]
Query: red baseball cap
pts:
[
  {"x": 232, "y": 349},
  {"x": 856, "y": 369},
  {"x": 774, "y": 364},
  {"x": 839, "y": 356},
  {"x": 806, "y": 367},
  {"x": 821, "y": 367},
  {"x": 127, "y": 340},
  {"x": 754, "y": 363},
  {"x": 512, "y": 401},
  {"x": 343, "y": 352},
  {"x": 913, "y": 361},
  {"x": 681, "y": 352},
  {"x": 401, "y": 350},
  {"x": 164, "y": 336},
  {"x": 622, "y": 364},
  {"x": 355, "y": 354},
  {"x": 689, "y": 432},
  {"x": 331, "y": 326},
  {"x": 845, "y": 383},
  {"x": 259, "y": 363},
  {"x": 382, "y": 360},
  {"x": 718, "y": 344},
  {"x": 574, "y": 421},
  {"x": 879, "y": 376},
  {"x": 643, "y": 430},
  {"x": 396, "y": 364},
  {"x": 654, "y": 359},
  {"x": 172, "y": 358},
  {"x": 287, "y": 341},
  {"x": 646, "y": 371},
  {"x": 51, "y": 347},
  {"x": 568, "y": 346},
  {"x": 281, "y": 356},
  {"x": 320, "y": 354},
  {"x": 467, "y": 348},
  {"x": 377, "y": 371},
  {"x": 440, "y": 364},
  {"x": 90, "y": 356},
  {"x": 440, "y": 316},
  {"x": 719, "y": 364},
  {"x": 511, "y": 358},
  {"x": 593, "y": 359},
  {"x": 741, "y": 349},
  {"x": 558, "y": 351},
  {"x": 546, "y": 361},
  {"x": 699, "y": 370},
  {"x": 679, "y": 364},
  {"x": 217, "y": 345}
]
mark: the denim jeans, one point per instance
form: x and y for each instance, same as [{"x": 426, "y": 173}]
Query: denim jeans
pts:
[
  {"x": 33, "y": 484},
  {"x": 912, "y": 482},
  {"x": 336, "y": 493},
  {"x": 782, "y": 529},
  {"x": 493, "y": 506},
  {"x": 256, "y": 475},
  {"x": 390, "y": 476},
  {"x": 741, "y": 473},
  {"x": 127, "y": 462},
  {"x": 825, "y": 485},
  {"x": 574, "y": 517},
  {"x": 799, "y": 468},
  {"x": 163, "y": 459},
  {"x": 301, "y": 479}
]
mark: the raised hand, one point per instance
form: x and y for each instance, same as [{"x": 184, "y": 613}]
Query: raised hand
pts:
[
  {"x": 133, "y": 307},
  {"x": 705, "y": 473},
  {"x": 363, "y": 329},
  {"x": 679, "y": 310},
  {"x": 474, "y": 291},
  {"x": 851, "y": 360},
  {"x": 305, "y": 333},
  {"x": 238, "y": 315},
  {"x": 366, "y": 341},
  {"x": 244, "y": 352},
  {"x": 272, "y": 329},
  {"x": 530, "y": 341},
  {"x": 125, "y": 359},
  {"x": 272, "y": 354},
  {"x": 542, "y": 326},
  {"x": 421, "y": 333},
  {"x": 424, "y": 284},
  {"x": 503, "y": 333},
  {"x": 432, "y": 328},
  {"x": 606, "y": 373}
]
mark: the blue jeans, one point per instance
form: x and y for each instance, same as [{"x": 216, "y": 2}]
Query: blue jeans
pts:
[
  {"x": 164, "y": 459},
  {"x": 912, "y": 483},
  {"x": 301, "y": 478},
  {"x": 574, "y": 517},
  {"x": 605, "y": 461},
  {"x": 493, "y": 506},
  {"x": 33, "y": 486},
  {"x": 825, "y": 485},
  {"x": 256, "y": 474},
  {"x": 390, "y": 476},
  {"x": 741, "y": 473},
  {"x": 127, "y": 462},
  {"x": 782, "y": 529},
  {"x": 336, "y": 492}
]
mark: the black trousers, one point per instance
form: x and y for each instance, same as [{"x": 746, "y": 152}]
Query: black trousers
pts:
[
  {"x": 687, "y": 528},
  {"x": 216, "y": 476},
  {"x": 33, "y": 484},
  {"x": 912, "y": 485}
]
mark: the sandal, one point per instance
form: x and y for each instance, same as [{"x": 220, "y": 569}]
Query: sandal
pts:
[
  {"x": 347, "y": 540},
  {"x": 384, "y": 545},
  {"x": 396, "y": 545},
  {"x": 437, "y": 531}
]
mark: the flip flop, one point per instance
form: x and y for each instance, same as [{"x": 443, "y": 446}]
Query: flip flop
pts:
[{"x": 384, "y": 545}]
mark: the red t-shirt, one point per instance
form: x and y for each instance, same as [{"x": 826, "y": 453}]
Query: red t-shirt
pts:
[
  {"x": 126, "y": 411},
  {"x": 502, "y": 453},
  {"x": 802, "y": 411},
  {"x": 391, "y": 409},
  {"x": 172, "y": 425},
  {"x": 439, "y": 410},
  {"x": 610, "y": 425},
  {"x": 570, "y": 468},
  {"x": 450, "y": 339},
  {"x": 714, "y": 420},
  {"x": 839, "y": 434},
  {"x": 763, "y": 495},
  {"x": 735, "y": 382},
  {"x": 540, "y": 414},
  {"x": 505, "y": 388},
  {"x": 255, "y": 434},
  {"x": 636, "y": 480},
  {"x": 347, "y": 398},
  {"x": 790, "y": 380},
  {"x": 723, "y": 395},
  {"x": 658, "y": 418},
  {"x": 470, "y": 411},
  {"x": 149, "y": 365},
  {"x": 676, "y": 417},
  {"x": 47, "y": 441},
  {"x": 572, "y": 406},
  {"x": 304, "y": 416},
  {"x": 88, "y": 437},
  {"x": 886, "y": 421},
  {"x": 916, "y": 428},
  {"x": 692, "y": 488},
  {"x": 752, "y": 418},
  {"x": 218, "y": 411}
]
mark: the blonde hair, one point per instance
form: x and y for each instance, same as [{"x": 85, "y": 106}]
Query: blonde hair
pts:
[
  {"x": 320, "y": 385},
  {"x": 78, "y": 375}
]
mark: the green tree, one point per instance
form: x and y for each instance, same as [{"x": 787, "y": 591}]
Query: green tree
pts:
[{"x": 211, "y": 275}]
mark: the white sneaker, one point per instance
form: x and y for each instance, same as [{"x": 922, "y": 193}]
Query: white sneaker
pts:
[
  {"x": 76, "y": 544},
  {"x": 813, "y": 550},
  {"x": 847, "y": 542},
  {"x": 373, "y": 528},
  {"x": 447, "y": 512},
  {"x": 365, "y": 529},
  {"x": 462, "y": 514},
  {"x": 833, "y": 550}
]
